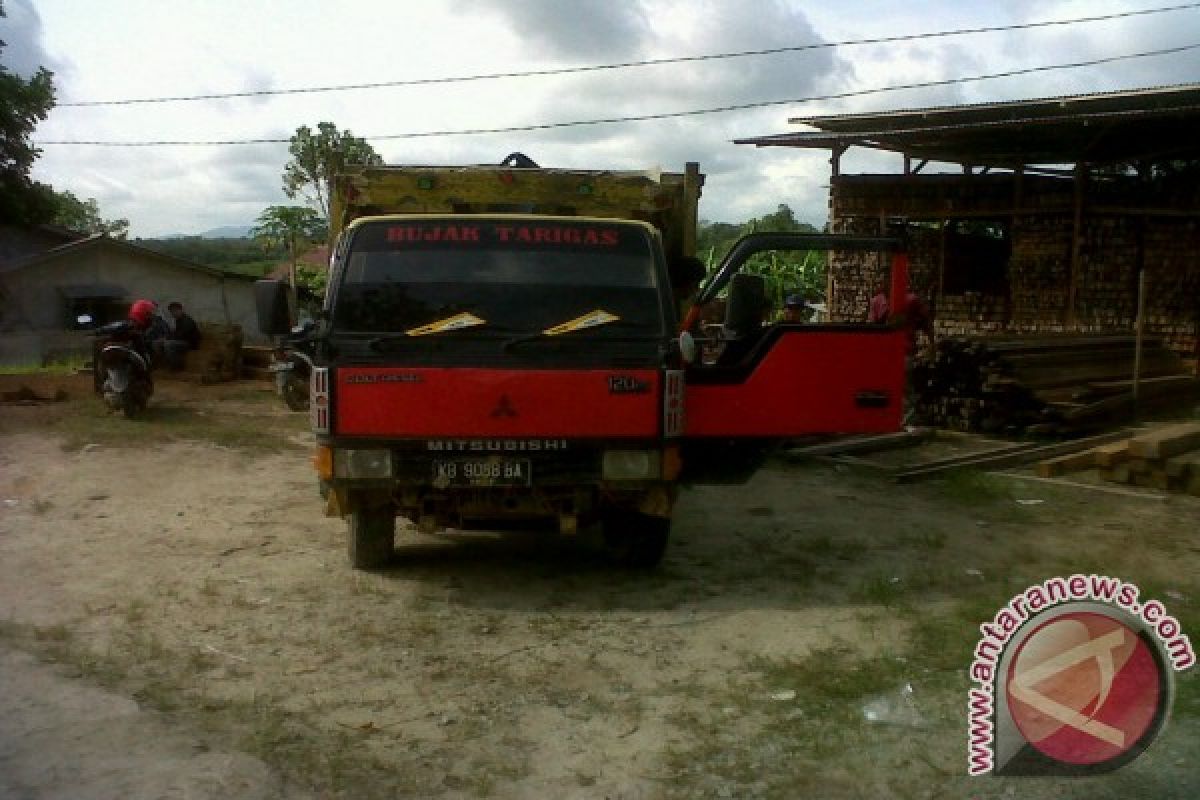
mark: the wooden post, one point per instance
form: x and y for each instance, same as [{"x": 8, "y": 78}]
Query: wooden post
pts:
[
  {"x": 1137, "y": 348},
  {"x": 692, "y": 183},
  {"x": 835, "y": 169},
  {"x": 1076, "y": 241}
]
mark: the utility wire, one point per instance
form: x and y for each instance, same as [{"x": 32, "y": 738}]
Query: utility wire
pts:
[
  {"x": 630, "y": 64},
  {"x": 663, "y": 115}
]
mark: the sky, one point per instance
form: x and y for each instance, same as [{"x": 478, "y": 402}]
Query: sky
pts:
[{"x": 129, "y": 49}]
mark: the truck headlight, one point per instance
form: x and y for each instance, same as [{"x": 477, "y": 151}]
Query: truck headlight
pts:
[
  {"x": 631, "y": 465},
  {"x": 362, "y": 463}
]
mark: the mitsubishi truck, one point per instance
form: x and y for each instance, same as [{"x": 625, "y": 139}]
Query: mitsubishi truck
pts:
[{"x": 503, "y": 343}]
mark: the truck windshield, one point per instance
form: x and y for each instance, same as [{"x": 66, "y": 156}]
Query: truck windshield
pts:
[{"x": 499, "y": 277}]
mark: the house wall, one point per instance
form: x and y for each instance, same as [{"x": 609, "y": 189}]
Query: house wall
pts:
[
  {"x": 35, "y": 319},
  {"x": 1120, "y": 228}
]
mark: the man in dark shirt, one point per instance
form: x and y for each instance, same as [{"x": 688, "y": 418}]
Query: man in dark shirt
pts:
[{"x": 185, "y": 336}]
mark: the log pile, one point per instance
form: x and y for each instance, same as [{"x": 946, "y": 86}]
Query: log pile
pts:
[
  {"x": 1061, "y": 384},
  {"x": 1166, "y": 458}
]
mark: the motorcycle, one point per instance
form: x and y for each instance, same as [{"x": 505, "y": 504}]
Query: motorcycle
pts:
[
  {"x": 293, "y": 365},
  {"x": 122, "y": 367}
]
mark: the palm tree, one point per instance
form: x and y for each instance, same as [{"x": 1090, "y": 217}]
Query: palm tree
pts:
[{"x": 293, "y": 228}]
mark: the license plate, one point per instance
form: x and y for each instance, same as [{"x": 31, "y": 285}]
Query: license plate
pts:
[{"x": 482, "y": 472}]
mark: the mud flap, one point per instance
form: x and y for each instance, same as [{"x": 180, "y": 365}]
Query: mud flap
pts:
[{"x": 336, "y": 503}]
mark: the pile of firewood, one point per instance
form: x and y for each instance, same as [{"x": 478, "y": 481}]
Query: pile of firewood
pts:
[{"x": 1060, "y": 384}]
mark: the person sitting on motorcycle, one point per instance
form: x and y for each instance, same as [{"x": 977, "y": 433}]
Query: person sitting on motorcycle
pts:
[{"x": 144, "y": 319}]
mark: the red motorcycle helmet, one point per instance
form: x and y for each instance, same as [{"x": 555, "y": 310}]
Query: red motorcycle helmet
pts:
[{"x": 141, "y": 312}]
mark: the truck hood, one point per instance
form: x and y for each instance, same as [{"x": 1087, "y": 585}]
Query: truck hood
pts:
[{"x": 400, "y": 402}]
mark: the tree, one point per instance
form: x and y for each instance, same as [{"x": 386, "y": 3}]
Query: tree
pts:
[
  {"x": 23, "y": 104},
  {"x": 317, "y": 158},
  {"x": 84, "y": 216},
  {"x": 294, "y": 228}
]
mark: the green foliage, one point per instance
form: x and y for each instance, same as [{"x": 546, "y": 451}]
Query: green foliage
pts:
[
  {"x": 317, "y": 158},
  {"x": 785, "y": 272},
  {"x": 244, "y": 256},
  {"x": 23, "y": 104},
  {"x": 296, "y": 229},
  {"x": 84, "y": 216}
]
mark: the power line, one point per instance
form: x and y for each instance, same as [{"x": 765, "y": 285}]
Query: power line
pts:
[
  {"x": 629, "y": 64},
  {"x": 662, "y": 115}
]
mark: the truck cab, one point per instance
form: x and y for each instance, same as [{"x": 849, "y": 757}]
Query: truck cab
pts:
[{"x": 474, "y": 365}]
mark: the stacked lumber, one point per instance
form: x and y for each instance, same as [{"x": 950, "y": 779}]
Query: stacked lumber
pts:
[
  {"x": 1166, "y": 458},
  {"x": 1060, "y": 384},
  {"x": 218, "y": 358}
]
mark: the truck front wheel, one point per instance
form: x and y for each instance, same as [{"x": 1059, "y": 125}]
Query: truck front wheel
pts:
[
  {"x": 636, "y": 540},
  {"x": 372, "y": 536}
]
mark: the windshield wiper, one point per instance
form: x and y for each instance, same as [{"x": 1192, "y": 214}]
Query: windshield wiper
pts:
[{"x": 558, "y": 330}]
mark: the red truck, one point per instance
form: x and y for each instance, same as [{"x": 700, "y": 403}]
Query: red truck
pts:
[{"x": 505, "y": 343}]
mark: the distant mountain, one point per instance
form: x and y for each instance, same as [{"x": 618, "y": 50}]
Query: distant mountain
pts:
[{"x": 224, "y": 232}]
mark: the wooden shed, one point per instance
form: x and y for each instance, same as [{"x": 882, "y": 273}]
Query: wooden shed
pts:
[
  {"x": 42, "y": 293},
  {"x": 1050, "y": 211}
]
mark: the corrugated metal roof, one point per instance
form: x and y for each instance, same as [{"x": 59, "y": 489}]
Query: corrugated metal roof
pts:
[{"x": 1132, "y": 125}]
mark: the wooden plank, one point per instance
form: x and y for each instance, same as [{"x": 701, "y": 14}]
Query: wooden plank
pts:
[
  {"x": 1118, "y": 474},
  {"x": 1071, "y": 462},
  {"x": 1110, "y": 455},
  {"x": 1183, "y": 465},
  {"x": 1170, "y": 440},
  {"x": 1013, "y": 456},
  {"x": 863, "y": 444},
  {"x": 1157, "y": 479}
]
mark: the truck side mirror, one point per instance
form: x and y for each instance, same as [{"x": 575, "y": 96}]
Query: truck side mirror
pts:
[
  {"x": 274, "y": 301},
  {"x": 745, "y": 305}
]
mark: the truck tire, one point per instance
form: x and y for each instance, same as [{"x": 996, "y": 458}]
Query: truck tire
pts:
[
  {"x": 372, "y": 538},
  {"x": 636, "y": 540},
  {"x": 295, "y": 393}
]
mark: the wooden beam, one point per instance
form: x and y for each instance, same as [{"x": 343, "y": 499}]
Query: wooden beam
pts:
[
  {"x": 1011, "y": 457},
  {"x": 1076, "y": 241},
  {"x": 862, "y": 444},
  {"x": 1170, "y": 440}
]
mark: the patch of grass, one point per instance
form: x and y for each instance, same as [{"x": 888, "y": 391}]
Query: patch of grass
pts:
[
  {"x": 923, "y": 540},
  {"x": 970, "y": 487},
  {"x": 839, "y": 548},
  {"x": 61, "y": 366},
  {"x": 880, "y": 589},
  {"x": 90, "y": 422}
]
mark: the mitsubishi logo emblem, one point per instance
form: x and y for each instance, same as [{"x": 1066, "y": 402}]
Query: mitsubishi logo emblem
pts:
[{"x": 504, "y": 408}]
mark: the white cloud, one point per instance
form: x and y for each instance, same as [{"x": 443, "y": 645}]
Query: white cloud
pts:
[{"x": 125, "y": 48}]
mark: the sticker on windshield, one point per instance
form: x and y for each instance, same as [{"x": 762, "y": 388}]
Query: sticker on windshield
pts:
[
  {"x": 455, "y": 323},
  {"x": 591, "y": 319}
]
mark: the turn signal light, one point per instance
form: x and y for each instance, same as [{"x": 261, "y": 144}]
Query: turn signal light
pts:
[{"x": 323, "y": 461}]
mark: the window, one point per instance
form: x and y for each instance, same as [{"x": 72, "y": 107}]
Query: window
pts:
[{"x": 976, "y": 257}]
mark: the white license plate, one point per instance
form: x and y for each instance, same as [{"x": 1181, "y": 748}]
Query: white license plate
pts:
[{"x": 482, "y": 472}]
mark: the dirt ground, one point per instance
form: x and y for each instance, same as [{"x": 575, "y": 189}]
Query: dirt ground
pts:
[{"x": 179, "y": 621}]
